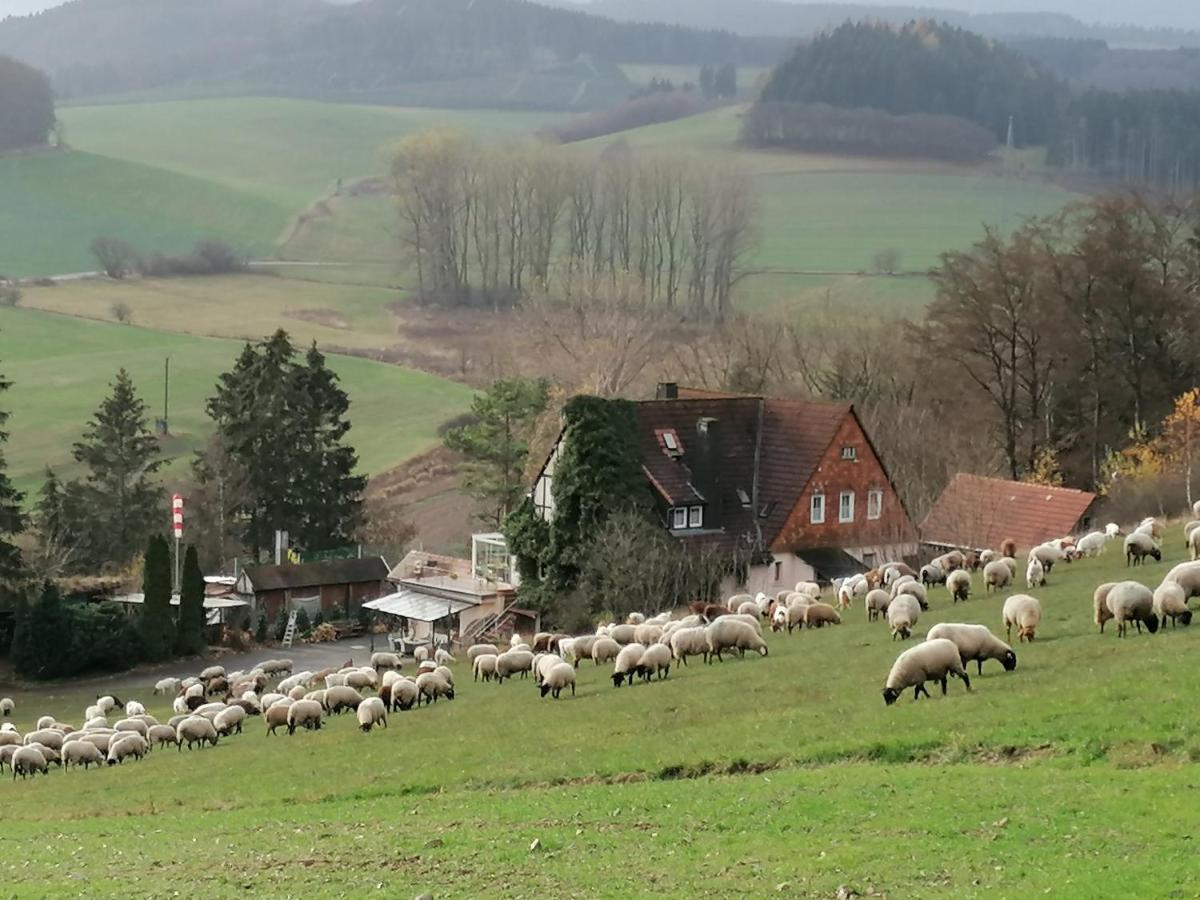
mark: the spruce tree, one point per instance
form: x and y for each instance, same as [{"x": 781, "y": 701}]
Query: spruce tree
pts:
[
  {"x": 158, "y": 632},
  {"x": 118, "y": 499},
  {"x": 190, "y": 624},
  {"x": 42, "y": 636},
  {"x": 12, "y": 518}
]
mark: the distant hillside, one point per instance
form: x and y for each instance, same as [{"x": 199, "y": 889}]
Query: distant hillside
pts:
[{"x": 459, "y": 52}]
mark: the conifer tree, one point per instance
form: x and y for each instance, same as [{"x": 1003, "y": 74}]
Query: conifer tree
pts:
[
  {"x": 190, "y": 624},
  {"x": 12, "y": 517},
  {"x": 158, "y": 632}
]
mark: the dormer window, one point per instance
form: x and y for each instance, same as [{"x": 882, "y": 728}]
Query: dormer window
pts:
[
  {"x": 850, "y": 453},
  {"x": 684, "y": 518}
]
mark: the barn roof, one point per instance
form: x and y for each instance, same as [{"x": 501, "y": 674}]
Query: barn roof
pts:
[
  {"x": 978, "y": 512},
  {"x": 316, "y": 574}
]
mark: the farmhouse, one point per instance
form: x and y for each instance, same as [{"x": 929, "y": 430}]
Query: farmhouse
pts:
[
  {"x": 789, "y": 490},
  {"x": 336, "y": 588},
  {"x": 975, "y": 512}
]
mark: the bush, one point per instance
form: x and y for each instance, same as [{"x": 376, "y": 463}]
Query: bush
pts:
[
  {"x": 260, "y": 633},
  {"x": 117, "y": 258},
  {"x": 208, "y": 257},
  {"x": 651, "y": 109},
  {"x": 57, "y": 639},
  {"x": 281, "y": 625},
  {"x": 318, "y": 619},
  {"x": 10, "y": 294},
  {"x": 303, "y": 623},
  {"x": 122, "y": 313}
]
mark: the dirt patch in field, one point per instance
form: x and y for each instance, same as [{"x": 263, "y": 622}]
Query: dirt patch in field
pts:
[
  {"x": 427, "y": 491},
  {"x": 329, "y": 318}
]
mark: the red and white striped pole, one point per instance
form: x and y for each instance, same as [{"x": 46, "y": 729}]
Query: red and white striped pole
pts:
[{"x": 177, "y": 528}]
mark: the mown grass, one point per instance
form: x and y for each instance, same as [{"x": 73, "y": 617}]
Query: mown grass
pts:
[
  {"x": 60, "y": 368},
  {"x": 1075, "y": 775}
]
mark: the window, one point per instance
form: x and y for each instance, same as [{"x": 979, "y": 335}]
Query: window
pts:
[
  {"x": 874, "y": 504},
  {"x": 778, "y": 570},
  {"x": 669, "y": 440},
  {"x": 817, "y": 511},
  {"x": 679, "y": 517},
  {"x": 695, "y": 516},
  {"x": 849, "y": 453},
  {"x": 846, "y": 506}
]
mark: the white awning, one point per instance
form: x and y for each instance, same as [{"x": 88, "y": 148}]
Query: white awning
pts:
[
  {"x": 209, "y": 602},
  {"x": 415, "y": 605}
]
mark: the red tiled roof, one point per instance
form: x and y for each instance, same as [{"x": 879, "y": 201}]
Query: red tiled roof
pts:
[{"x": 978, "y": 512}]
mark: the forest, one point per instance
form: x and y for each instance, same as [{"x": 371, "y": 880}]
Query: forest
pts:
[{"x": 26, "y": 106}]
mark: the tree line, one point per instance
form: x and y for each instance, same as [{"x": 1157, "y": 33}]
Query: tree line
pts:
[
  {"x": 26, "y": 106},
  {"x": 490, "y": 224}
]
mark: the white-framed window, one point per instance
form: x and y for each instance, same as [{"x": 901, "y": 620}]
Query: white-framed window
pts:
[
  {"x": 849, "y": 453},
  {"x": 874, "y": 504},
  {"x": 817, "y": 509},
  {"x": 695, "y": 516},
  {"x": 846, "y": 506},
  {"x": 679, "y": 517}
]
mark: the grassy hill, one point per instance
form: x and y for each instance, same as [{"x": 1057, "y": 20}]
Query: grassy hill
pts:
[
  {"x": 60, "y": 367},
  {"x": 1073, "y": 775}
]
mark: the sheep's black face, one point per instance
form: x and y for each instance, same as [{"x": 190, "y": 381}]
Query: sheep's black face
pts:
[
  {"x": 545, "y": 689},
  {"x": 617, "y": 679},
  {"x": 1009, "y": 661},
  {"x": 1157, "y": 554},
  {"x": 1152, "y": 624},
  {"x": 1186, "y": 617},
  {"x": 890, "y": 696}
]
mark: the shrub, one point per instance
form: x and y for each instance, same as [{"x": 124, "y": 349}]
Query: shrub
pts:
[
  {"x": 117, "y": 258},
  {"x": 208, "y": 257},
  {"x": 303, "y": 623},
  {"x": 655, "y": 107},
  {"x": 10, "y": 294},
  {"x": 281, "y": 625},
  {"x": 260, "y": 633},
  {"x": 122, "y": 313},
  {"x": 318, "y": 619}
]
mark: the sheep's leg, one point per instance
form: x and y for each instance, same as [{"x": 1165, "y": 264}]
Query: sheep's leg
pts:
[
  {"x": 944, "y": 680},
  {"x": 978, "y": 662}
]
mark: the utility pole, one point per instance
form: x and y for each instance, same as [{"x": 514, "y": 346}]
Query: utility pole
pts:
[{"x": 166, "y": 395}]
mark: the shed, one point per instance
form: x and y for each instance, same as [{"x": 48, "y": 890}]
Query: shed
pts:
[{"x": 336, "y": 588}]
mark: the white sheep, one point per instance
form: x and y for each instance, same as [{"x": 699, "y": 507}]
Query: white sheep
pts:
[
  {"x": 389, "y": 661},
  {"x": 162, "y": 735},
  {"x": 958, "y": 583},
  {"x": 1093, "y": 543},
  {"x": 1194, "y": 544},
  {"x": 934, "y": 660},
  {"x": 1131, "y": 601},
  {"x": 125, "y": 746},
  {"x": 876, "y": 603},
  {"x": 655, "y": 661},
  {"x": 1170, "y": 603},
  {"x": 818, "y": 615},
  {"x": 914, "y": 589},
  {"x": 1023, "y": 611},
  {"x": 1139, "y": 545},
  {"x": 1035, "y": 574},
  {"x": 997, "y": 575},
  {"x": 975, "y": 642},
  {"x": 27, "y": 761},
  {"x": 626, "y": 663},
  {"x": 195, "y": 730},
  {"x": 442, "y": 657},
  {"x": 732, "y": 634},
  {"x": 81, "y": 753},
  {"x": 512, "y": 663},
  {"x": 604, "y": 650},
  {"x": 902, "y": 615},
  {"x": 899, "y": 582},
  {"x": 480, "y": 649},
  {"x": 166, "y": 686},
  {"x": 687, "y": 642},
  {"x": 485, "y": 666},
  {"x": 229, "y": 721},
  {"x": 649, "y": 634},
  {"x": 51, "y": 737},
  {"x": 422, "y": 653},
  {"x": 431, "y": 686},
  {"x": 370, "y": 713},
  {"x": 446, "y": 674},
  {"x": 306, "y": 714},
  {"x": 558, "y": 678}
]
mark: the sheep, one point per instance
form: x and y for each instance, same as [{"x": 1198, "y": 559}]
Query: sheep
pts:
[
  {"x": 649, "y": 634},
  {"x": 899, "y": 582},
  {"x": 915, "y": 589},
  {"x": 1170, "y": 603},
  {"x": 229, "y": 721},
  {"x": 1187, "y": 576},
  {"x": 626, "y": 663},
  {"x": 131, "y": 725},
  {"x": 623, "y": 634},
  {"x": 543, "y": 663},
  {"x": 1194, "y": 544},
  {"x": 902, "y": 614},
  {"x": 485, "y": 667},
  {"x": 28, "y": 761},
  {"x": 512, "y": 663},
  {"x": 404, "y": 694},
  {"x": 446, "y": 675},
  {"x": 9, "y": 738},
  {"x": 442, "y": 657},
  {"x": 305, "y": 714},
  {"x": 581, "y": 648},
  {"x": 975, "y": 642},
  {"x": 748, "y": 608},
  {"x": 1048, "y": 554},
  {"x": 297, "y": 680},
  {"x": 431, "y": 686},
  {"x": 1100, "y": 611},
  {"x": 1151, "y": 528},
  {"x": 1093, "y": 543},
  {"x": 934, "y": 660},
  {"x": 1023, "y": 611},
  {"x": 166, "y": 686},
  {"x": 604, "y": 650},
  {"x": 515, "y": 640},
  {"x": 127, "y": 745},
  {"x": 371, "y": 712},
  {"x": 1138, "y": 546},
  {"x": 950, "y": 561},
  {"x": 6, "y": 706},
  {"x": 1008, "y": 547},
  {"x": 1035, "y": 574},
  {"x": 361, "y": 680},
  {"x": 753, "y": 621},
  {"x": 932, "y": 573},
  {"x": 44, "y": 722},
  {"x": 876, "y": 603},
  {"x": 340, "y": 698},
  {"x": 51, "y": 737},
  {"x": 811, "y": 588},
  {"x": 335, "y": 679},
  {"x": 385, "y": 660},
  {"x": 655, "y": 661},
  {"x": 558, "y": 678},
  {"x": 635, "y": 618},
  {"x": 687, "y": 642},
  {"x": 1131, "y": 601},
  {"x": 1188, "y": 528},
  {"x": 958, "y": 583},
  {"x": 1196, "y": 509},
  {"x": 733, "y": 635},
  {"x": 821, "y": 614},
  {"x": 82, "y": 753},
  {"x": 480, "y": 649},
  {"x": 195, "y": 730},
  {"x": 996, "y": 575},
  {"x": 162, "y": 735},
  {"x": 210, "y": 710},
  {"x": 421, "y": 653},
  {"x": 987, "y": 556},
  {"x": 894, "y": 570}
]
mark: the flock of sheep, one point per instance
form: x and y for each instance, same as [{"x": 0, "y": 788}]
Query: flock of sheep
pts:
[{"x": 640, "y": 648}]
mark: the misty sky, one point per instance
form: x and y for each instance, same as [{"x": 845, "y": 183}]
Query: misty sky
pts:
[{"x": 1160, "y": 13}]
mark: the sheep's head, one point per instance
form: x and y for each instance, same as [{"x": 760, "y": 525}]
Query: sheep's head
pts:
[
  {"x": 1186, "y": 617},
  {"x": 1026, "y": 633},
  {"x": 1151, "y": 623},
  {"x": 1157, "y": 554},
  {"x": 1009, "y": 661},
  {"x": 617, "y": 678},
  {"x": 762, "y": 648},
  {"x": 890, "y": 696}
]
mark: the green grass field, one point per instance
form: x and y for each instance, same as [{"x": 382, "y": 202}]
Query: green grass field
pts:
[
  {"x": 1073, "y": 776},
  {"x": 60, "y": 368}
]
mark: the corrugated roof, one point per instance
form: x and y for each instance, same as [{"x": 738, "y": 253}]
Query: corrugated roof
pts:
[
  {"x": 316, "y": 574},
  {"x": 415, "y": 605},
  {"x": 978, "y": 512}
]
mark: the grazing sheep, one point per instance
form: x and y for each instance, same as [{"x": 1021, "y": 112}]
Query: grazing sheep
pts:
[
  {"x": 446, "y": 675},
  {"x": 579, "y": 648},
  {"x": 732, "y": 634},
  {"x": 997, "y": 575},
  {"x": 6, "y": 706},
  {"x": 821, "y": 614},
  {"x": 125, "y": 746},
  {"x": 298, "y": 680},
  {"x": 958, "y": 583},
  {"x": 542, "y": 664},
  {"x": 655, "y": 661},
  {"x": 809, "y": 588},
  {"x": 1139, "y": 545},
  {"x": 385, "y": 660},
  {"x": 306, "y": 714},
  {"x": 166, "y": 686},
  {"x": 1023, "y": 611},
  {"x": 421, "y": 653},
  {"x": 902, "y": 614},
  {"x": 485, "y": 667},
  {"x": 1048, "y": 554},
  {"x": 431, "y": 686},
  {"x": 9, "y": 738},
  {"x": 623, "y": 634},
  {"x": 1194, "y": 544},
  {"x": 915, "y": 589},
  {"x": 1008, "y": 547},
  {"x": 404, "y": 694},
  {"x": 1035, "y": 574},
  {"x": 442, "y": 657},
  {"x": 1093, "y": 543},
  {"x": 753, "y": 621},
  {"x": 1170, "y": 603},
  {"x": 748, "y": 608},
  {"x": 1100, "y": 611},
  {"x": 277, "y": 715},
  {"x": 51, "y": 737},
  {"x": 480, "y": 649},
  {"x": 44, "y": 722},
  {"x": 28, "y": 761},
  {"x": 162, "y": 735},
  {"x": 229, "y": 721},
  {"x": 987, "y": 556},
  {"x": 649, "y": 634},
  {"x": 876, "y": 603},
  {"x": 83, "y": 753},
  {"x": 558, "y": 678},
  {"x": 371, "y": 712},
  {"x": 512, "y": 663},
  {"x": 1131, "y": 601},
  {"x": 131, "y": 725},
  {"x": 604, "y": 650},
  {"x": 195, "y": 730},
  {"x": 341, "y": 698},
  {"x": 899, "y": 582},
  {"x": 1187, "y": 576},
  {"x": 932, "y": 573},
  {"x": 635, "y": 618},
  {"x": 687, "y": 642},
  {"x": 975, "y": 642},
  {"x": 934, "y": 660},
  {"x": 626, "y": 663}
]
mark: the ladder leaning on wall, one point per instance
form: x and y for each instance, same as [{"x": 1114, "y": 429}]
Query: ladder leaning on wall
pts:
[{"x": 289, "y": 633}]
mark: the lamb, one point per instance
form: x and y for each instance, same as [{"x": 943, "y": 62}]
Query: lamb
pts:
[
  {"x": 733, "y": 635},
  {"x": 558, "y": 678},
  {"x": 975, "y": 642},
  {"x": 371, "y": 712},
  {"x": 902, "y": 615},
  {"x": 627, "y": 663},
  {"x": 431, "y": 686},
  {"x": 485, "y": 667},
  {"x": 229, "y": 721},
  {"x": 512, "y": 663},
  {"x": 340, "y": 698},
  {"x": 442, "y": 657},
  {"x": 1100, "y": 611},
  {"x": 821, "y": 614},
  {"x": 162, "y": 735},
  {"x": 126, "y": 746},
  {"x": 481, "y": 649},
  {"x": 655, "y": 661},
  {"x": 917, "y": 590},
  {"x": 876, "y": 603},
  {"x": 605, "y": 649},
  {"x": 958, "y": 583},
  {"x": 687, "y": 642},
  {"x": 166, "y": 686},
  {"x": 1035, "y": 574},
  {"x": 305, "y": 714},
  {"x": 27, "y": 761},
  {"x": 1131, "y": 601},
  {"x": 6, "y": 706},
  {"x": 1023, "y": 611},
  {"x": 196, "y": 730},
  {"x": 934, "y": 660},
  {"x": 1170, "y": 603},
  {"x": 82, "y": 753},
  {"x": 1093, "y": 543},
  {"x": 1139, "y": 545},
  {"x": 997, "y": 575},
  {"x": 384, "y": 660}
]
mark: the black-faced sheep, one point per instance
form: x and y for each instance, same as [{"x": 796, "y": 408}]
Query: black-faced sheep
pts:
[
  {"x": 655, "y": 661},
  {"x": 371, "y": 712},
  {"x": 1100, "y": 611},
  {"x": 1131, "y": 601},
  {"x": 27, "y": 761},
  {"x": 876, "y": 603},
  {"x": 902, "y": 615},
  {"x": 1025, "y": 612},
  {"x": 934, "y": 660},
  {"x": 626, "y": 665},
  {"x": 196, "y": 730},
  {"x": 1139, "y": 545},
  {"x": 1171, "y": 603},
  {"x": 958, "y": 583},
  {"x": 733, "y": 635},
  {"x": 975, "y": 642},
  {"x": 304, "y": 714},
  {"x": 560, "y": 676}
]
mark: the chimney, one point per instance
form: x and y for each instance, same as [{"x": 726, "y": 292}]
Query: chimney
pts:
[
  {"x": 706, "y": 465},
  {"x": 667, "y": 390}
]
